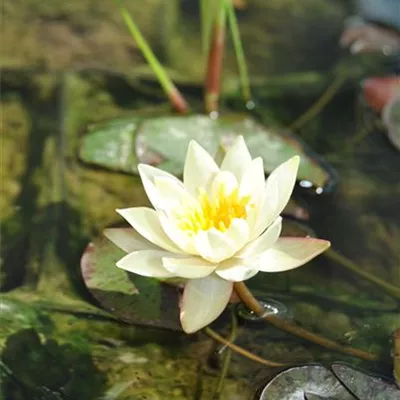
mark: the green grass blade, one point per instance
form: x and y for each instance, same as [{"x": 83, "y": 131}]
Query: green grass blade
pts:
[
  {"x": 207, "y": 8},
  {"x": 238, "y": 45},
  {"x": 169, "y": 87}
]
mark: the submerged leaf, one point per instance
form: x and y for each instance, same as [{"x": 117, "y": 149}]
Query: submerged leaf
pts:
[
  {"x": 133, "y": 298},
  {"x": 120, "y": 144},
  {"x": 365, "y": 386},
  {"x": 293, "y": 383},
  {"x": 315, "y": 382}
]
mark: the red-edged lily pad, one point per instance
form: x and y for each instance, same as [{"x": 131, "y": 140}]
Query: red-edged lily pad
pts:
[{"x": 130, "y": 297}]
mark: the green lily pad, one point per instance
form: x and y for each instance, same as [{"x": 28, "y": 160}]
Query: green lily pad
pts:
[
  {"x": 130, "y": 297},
  {"x": 111, "y": 145},
  {"x": 315, "y": 382},
  {"x": 275, "y": 146},
  {"x": 169, "y": 137},
  {"x": 162, "y": 141}
]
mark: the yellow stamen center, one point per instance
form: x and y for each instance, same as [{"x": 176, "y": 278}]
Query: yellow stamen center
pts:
[{"x": 216, "y": 212}]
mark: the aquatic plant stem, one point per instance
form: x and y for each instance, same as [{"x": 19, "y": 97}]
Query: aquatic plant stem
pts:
[
  {"x": 390, "y": 289},
  {"x": 226, "y": 357},
  {"x": 240, "y": 350},
  {"x": 174, "y": 95},
  {"x": 215, "y": 58},
  {"x": 320, "y": 104},
  {"x": 240, "y": 57},
  {"x": 206, "y": 15},
  {"x": 253, "y": 304}
]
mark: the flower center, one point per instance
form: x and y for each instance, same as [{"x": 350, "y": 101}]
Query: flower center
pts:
[{"x": 216, "y": 212}]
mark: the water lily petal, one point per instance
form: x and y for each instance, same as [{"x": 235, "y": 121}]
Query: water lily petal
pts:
[
  {"x": 225, "y": 183},
  {"x": 253, "y": 181},
  {"x": 289, "y": 253},
  {"x": 216, "y": 246},
  {"x": 285, "y": 178},
  {"x": 238, "y": 233},
  {"x": 263, "y": 242},
  {"x": 237, "y": 158},
  {"x": 235, "y": 270},
  {"x": 148, "y": 175},
  {"x": 203, "y": 301},
  {"x": 199, "y": 168},
  {"x": 213, "y": 245},
  {"x": 188, "y": 267},
  {"x": 277, "y": 192},
  {"x": 180, "y": 237},
  {"x": 146, "y": 222},
  {"x": 172, "y": 195},
  {"x": 145, "y": 263},
  {"x": 128, "y": 239}
]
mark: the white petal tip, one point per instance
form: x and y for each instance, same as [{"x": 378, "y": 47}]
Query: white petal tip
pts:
[
  {"x": 295, "y": 161},
  {"x": 240, "y": 138}
]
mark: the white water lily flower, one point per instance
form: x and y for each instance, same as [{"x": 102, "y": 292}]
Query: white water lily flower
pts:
[{"x": 219, "y": 226}]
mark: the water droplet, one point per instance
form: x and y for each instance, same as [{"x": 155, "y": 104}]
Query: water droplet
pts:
[
  {"x": 271, "y": 307},
  {"x": 306, "y": 184},
  {"x": 214, "y": 115},
  {"x": 250, "y": 105}
]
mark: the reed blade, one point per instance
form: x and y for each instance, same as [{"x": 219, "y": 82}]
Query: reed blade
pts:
[
  {"x": 174, "y": 95},
  {"x": 215, "y": 59},
  {"x": 206, "y": 20},
  {"x": 239, "y": 52}
]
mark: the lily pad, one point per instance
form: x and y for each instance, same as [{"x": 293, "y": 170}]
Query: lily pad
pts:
[
  {"x": 111, "y": 145},
  {"x": 293, "y": 383},
  {"x": 130, "y": 297},
  {"x": 275, "y": 146},
  {"x": 162, "y": 141},
  {"x": 315, "y": 382},
  {"x": 365, "y": 386}
]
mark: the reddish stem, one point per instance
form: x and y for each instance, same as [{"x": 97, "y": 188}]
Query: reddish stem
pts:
[
  {"x": 214, "y": 65},
  {"x": 177, "y": 100}
]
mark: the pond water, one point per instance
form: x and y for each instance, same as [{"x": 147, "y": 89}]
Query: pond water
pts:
[{"x": 57, "y": 342}]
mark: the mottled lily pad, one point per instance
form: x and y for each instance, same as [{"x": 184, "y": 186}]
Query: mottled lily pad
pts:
[
  {"x": 365, "y": 386},
  {"x": 315, "y": 382},
  {"x": 293, "y": 383},
  {"x": 130, "y": 297},
  {"x": 111, "y": 145},
  {"x": 120, "y": 144},
  {"x": 275, "y": 146}
]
